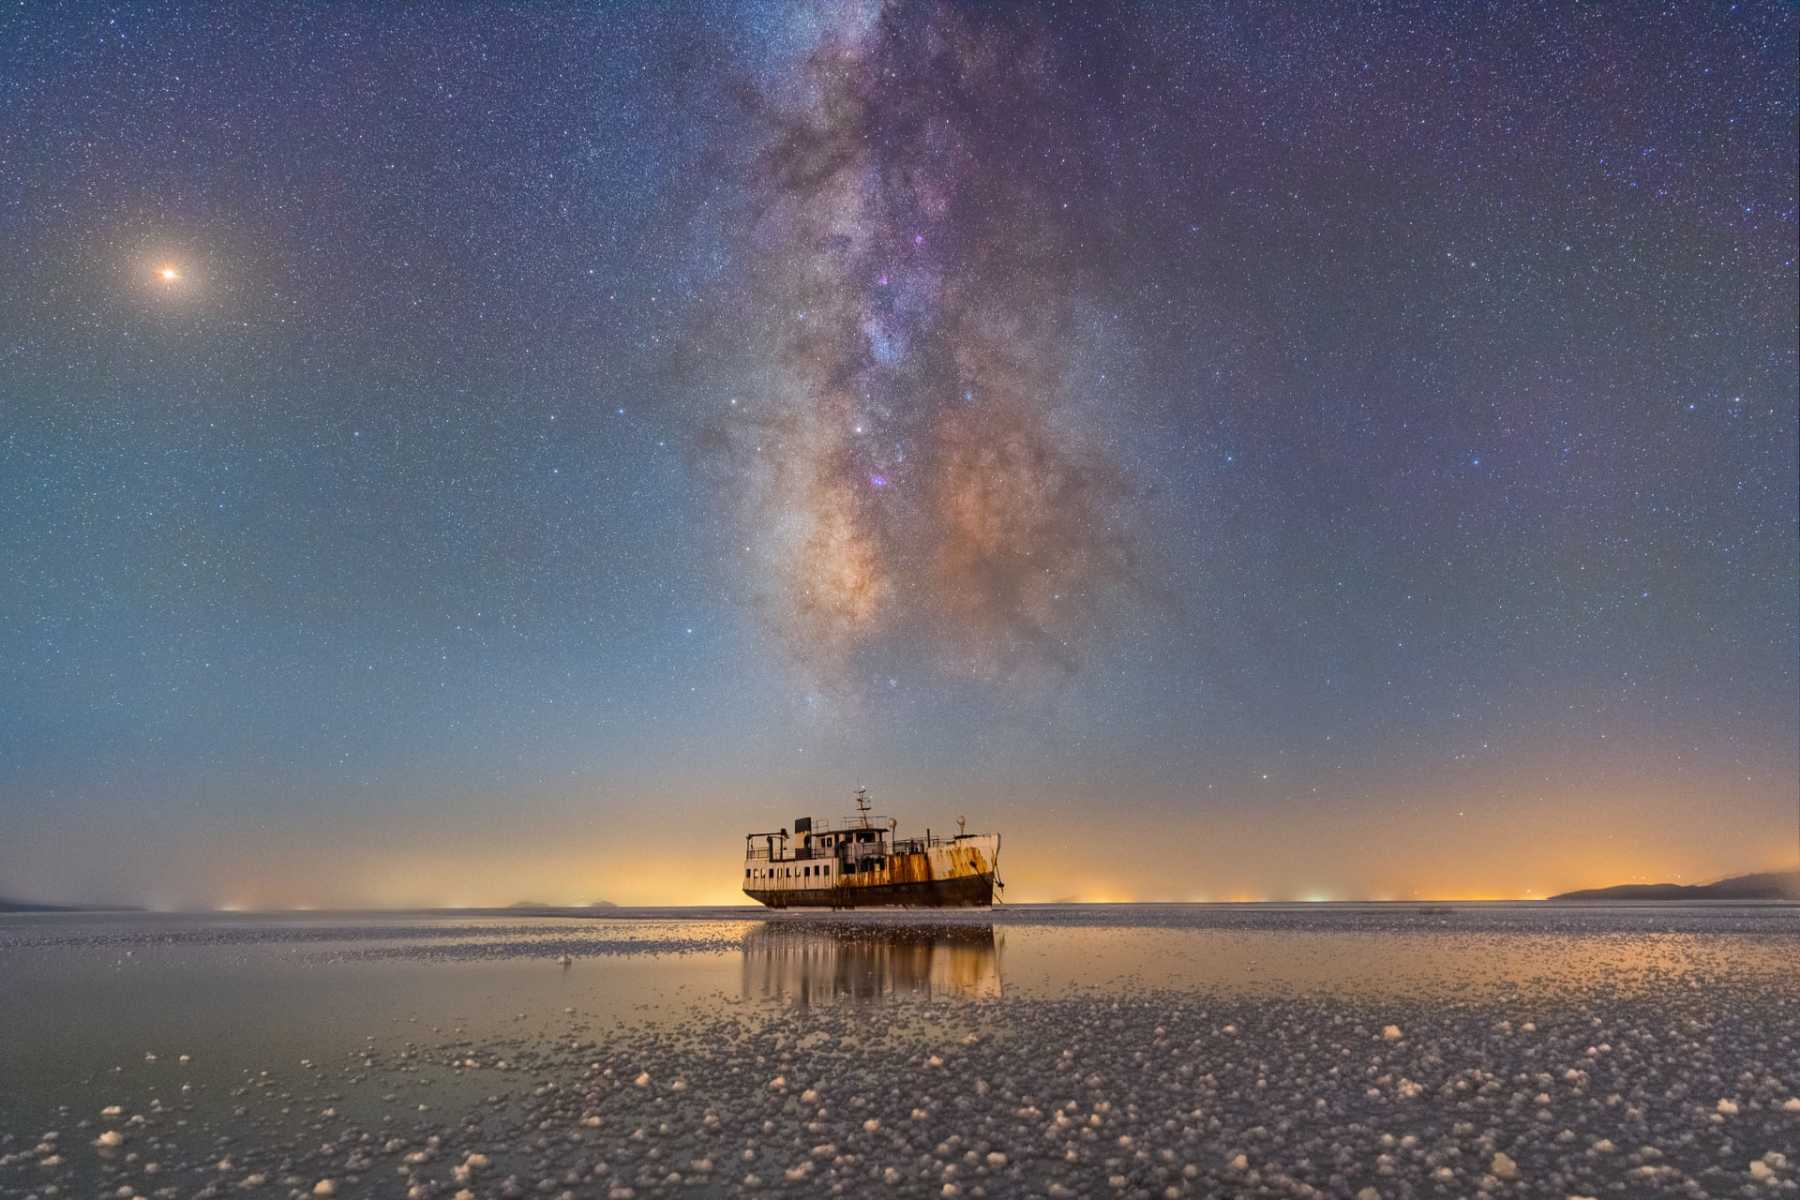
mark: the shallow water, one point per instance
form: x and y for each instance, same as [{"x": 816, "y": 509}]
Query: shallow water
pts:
[{"x": 1210, "y": 1049}]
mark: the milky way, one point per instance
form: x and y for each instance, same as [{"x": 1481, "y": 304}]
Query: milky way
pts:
[{"x": 914, "y": 460}]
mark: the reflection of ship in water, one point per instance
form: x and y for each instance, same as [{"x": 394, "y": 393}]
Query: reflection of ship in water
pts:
[{"x": 817, "y": 962}]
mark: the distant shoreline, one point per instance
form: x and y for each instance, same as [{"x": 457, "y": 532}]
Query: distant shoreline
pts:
[
  {"x": 1647, "y": 894},
  {"x": 26, "y": 906},
  {"x": 1759, "y": 886},
  {"x": 1765, "y": 885}
]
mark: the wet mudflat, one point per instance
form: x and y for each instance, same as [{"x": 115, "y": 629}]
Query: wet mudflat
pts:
[{"x": 1352, "y": 1051}]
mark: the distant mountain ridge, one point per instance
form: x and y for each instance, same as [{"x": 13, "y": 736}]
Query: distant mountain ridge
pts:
[
  {"x": 524, "y": 905},
  {"x": 28, "y": 906},
  {"x": 1764, "y": 885}
]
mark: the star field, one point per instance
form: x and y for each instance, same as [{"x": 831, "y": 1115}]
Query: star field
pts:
[{"x": 461, "y": 453}]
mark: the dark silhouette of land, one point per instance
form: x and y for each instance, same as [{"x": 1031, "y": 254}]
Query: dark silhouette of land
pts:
[
  {"x": 541, "y": 904},
  {"x": 27, "y": 906},
  {"x": 1765, "y": 885}
]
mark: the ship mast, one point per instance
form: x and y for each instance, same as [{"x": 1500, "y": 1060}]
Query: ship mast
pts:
[{"x": 862, "y": 806}]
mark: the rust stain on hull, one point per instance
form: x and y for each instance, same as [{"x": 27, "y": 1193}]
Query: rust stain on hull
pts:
[{"x": 916, "y": 868}]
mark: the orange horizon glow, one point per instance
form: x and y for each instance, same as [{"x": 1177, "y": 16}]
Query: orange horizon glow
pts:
[
  {"x": 563, "y": 879},
  {"x": 558, "y": 848}
]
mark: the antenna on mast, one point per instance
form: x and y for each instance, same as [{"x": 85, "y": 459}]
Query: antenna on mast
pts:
[
  {"x": 862, "y": 805},
  {"x": 962, "y": 826}
]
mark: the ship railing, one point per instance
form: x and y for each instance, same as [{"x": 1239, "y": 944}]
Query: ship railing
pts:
[
  {"x": 916, "y": 844},
  {"x": 760, "y": 853},
  {"x": 757, "y": 850}
]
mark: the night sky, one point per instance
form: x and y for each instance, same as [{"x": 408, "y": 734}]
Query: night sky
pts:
[{"x": 462, "y": 455}]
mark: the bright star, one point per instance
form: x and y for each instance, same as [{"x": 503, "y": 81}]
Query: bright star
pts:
[{"x": 169, "y": 275}]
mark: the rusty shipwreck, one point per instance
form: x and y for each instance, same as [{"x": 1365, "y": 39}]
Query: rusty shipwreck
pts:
[{"x": 865, "y": 864}]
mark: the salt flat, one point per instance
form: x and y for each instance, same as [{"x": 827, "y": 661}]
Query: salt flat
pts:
[{"x": 1329, "y": 1050}]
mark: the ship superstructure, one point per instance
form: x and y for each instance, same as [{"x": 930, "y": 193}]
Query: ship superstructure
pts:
[{"x": 865, "y": 864}]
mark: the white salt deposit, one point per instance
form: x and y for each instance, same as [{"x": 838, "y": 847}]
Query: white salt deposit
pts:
[{"x": 1135, "y": 1092}]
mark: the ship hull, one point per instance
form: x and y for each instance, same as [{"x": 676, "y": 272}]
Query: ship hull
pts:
[{"x": 968, "y": 891}]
